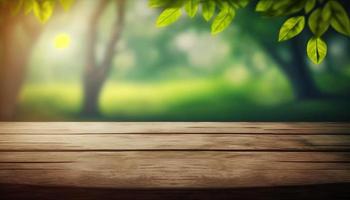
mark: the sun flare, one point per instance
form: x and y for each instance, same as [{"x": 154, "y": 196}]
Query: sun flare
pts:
[{"x": 62, "y": 41}]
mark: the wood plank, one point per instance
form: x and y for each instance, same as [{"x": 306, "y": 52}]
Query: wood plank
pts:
[
  {"x": 168, "y": 169},
  {"x": 115, "y": 142},
  {"x": 49, "y": 159},
  {"x": 172, "y": 127}
]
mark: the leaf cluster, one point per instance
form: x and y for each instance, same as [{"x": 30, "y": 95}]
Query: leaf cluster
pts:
[
  {"x": 319, "y": 15},
  {"x": 42, "y": 9},
  {"x": 222, "y": 12}
]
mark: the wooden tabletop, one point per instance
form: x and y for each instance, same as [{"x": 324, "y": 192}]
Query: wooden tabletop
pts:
[{"x": 226, "y": 157}]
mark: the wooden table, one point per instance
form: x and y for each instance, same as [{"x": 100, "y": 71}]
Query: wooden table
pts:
[{"x": 174, "y": 161}]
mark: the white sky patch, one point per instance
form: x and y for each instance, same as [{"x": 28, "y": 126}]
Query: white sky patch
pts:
[
  {"x": 142, "y": 9},
  {"x": 203, "y": 50}
]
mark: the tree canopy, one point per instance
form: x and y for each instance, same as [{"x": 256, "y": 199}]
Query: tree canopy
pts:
[{"x": 319, "y": 15}]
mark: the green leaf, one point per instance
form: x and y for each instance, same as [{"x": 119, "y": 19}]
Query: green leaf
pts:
[
  {"x": 166, "y": 3},
  {"x": 222, "y": 20},
  {"x": 241, "y": 3},
  {"x": 43, "y": 10},
  {"x": 158, "y": 3},
  {"x": 191, "y": 7},
  {"x": 318, "y": 23},
  {"x": 224, "y": 5},
  {"x": 263, "y": 5},
  {"x": 309, "y": 5},
  {"x": 66, "y": 4},
  {"x": 28, "y": 6},
  {"x": 339, "y": 18},
  {"x": 316, "y": 50},
  {"x": 208, "y": 9},
  {"x": 168, "y": 16},
  {"x": 17, "y": 6},
  {"x": 280, "y": 7},
  {"x": 291, "y": 28}
]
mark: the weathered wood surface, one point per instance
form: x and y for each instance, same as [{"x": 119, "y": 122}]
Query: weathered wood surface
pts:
[
  {"x": 190, "y": 142},
  {"x": 171, "y": 127},
  {"x": 174, "y": 156}
]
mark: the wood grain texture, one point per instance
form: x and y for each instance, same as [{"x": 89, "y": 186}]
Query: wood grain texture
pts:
[
  {"x": 203, "y": 142},
  {"x": 173, "y": 127},
  {"x": 173, "y": 156},
  {"x": 174, "y": 169}
]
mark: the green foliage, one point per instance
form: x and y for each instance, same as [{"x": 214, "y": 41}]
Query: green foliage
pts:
[
  {"x": 42, "y": 9},
  {"x": 208, "y": 9},
  {"x": 338, "y": 17},
  {"x": 291, "y": 28},
  {"x": 317, "y": 23},
  {"x": 316, "y": 50},
  {"x": 310, "y": 5},
  {"x": 66, "y": 4},
  {"x": 227, "y": 11},
  {"x": 319, "y": 14},
  {"x": 223, "y": 20},
  {"x": 184, "y": 100},
  {"x": 191, "y": 7},
  {"x": 169, "y": 16}
]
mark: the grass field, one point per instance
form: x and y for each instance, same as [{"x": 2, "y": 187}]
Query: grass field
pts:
[{"x": 192, "y": 100}]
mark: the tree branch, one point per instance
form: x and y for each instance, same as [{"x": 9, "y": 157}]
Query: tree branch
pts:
[
  {"x": 118, "y": 28},
  {"x": 92, "y": 36}
]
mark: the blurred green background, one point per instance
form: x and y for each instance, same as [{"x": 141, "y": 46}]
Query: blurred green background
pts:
[{"x": 182, "y": 73}]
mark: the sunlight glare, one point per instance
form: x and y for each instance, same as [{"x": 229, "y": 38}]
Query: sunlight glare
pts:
[{"x": 62, "y": 41}]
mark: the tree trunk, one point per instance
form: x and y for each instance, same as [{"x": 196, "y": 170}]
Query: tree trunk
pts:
[
  {"x": 93, "y": 85},
  {"x": 296, "y": 71},
  {"x": 96, "y": 74},
  {"x": 299, "y": 74},
  {"x": 12, "y": 76},
  {"x": 14, "y": 58}
]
